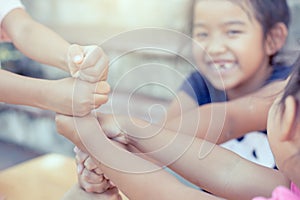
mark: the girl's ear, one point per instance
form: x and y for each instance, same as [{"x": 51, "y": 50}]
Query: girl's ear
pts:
[
  {"x": 289, "y": 119},
  {"x": 276, "y": 38}
]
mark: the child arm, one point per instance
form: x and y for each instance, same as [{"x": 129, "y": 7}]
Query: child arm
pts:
[
  {"x": 35, "y": 40},
  {"x": 38, "y": 42},
  {"x": 209, "y": 166},
  {"x": 231, "y": 119},
  {"x": 153, "y": 184},
  {"x": 68, "y": 96}
]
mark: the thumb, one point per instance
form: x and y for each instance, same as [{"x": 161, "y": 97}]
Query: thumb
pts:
[{"x": 76, "y": 53}]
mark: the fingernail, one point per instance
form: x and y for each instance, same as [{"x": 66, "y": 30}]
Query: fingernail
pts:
[
  {"x": 79, "y": 168},
  {"x": 111, "y": 183},
  {"x": 75, "y": 149},
  {"x": 77, "y": 59}
]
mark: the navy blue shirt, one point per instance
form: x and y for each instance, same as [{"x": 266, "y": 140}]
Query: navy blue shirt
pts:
[{"x": 203, "y": 91}]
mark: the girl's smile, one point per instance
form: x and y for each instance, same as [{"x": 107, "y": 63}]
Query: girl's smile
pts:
[{"x": 232, "y": 56}]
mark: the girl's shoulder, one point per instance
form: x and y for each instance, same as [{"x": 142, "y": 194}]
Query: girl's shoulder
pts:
[{"x": 280, "y": 72}]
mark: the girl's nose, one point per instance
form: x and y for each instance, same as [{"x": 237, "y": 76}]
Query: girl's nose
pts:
[{"x": 216, "y": 46}]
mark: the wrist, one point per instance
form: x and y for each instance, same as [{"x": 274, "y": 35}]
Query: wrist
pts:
[
  {"x": 65, "y": 59},
  {"x": 122, "y": 137},
  {"x": 43, "y": 95},
  {"x": 74, "y": 56}
]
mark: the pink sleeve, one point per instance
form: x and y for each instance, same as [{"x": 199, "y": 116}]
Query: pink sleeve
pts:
[
  {"x": 5, "y": 8},
  {"x": 281, "y": 193},
  {"x": 295, "y": 190}
]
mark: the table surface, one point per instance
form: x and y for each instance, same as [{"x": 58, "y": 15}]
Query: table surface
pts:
[{"x": 46, "y": 177}]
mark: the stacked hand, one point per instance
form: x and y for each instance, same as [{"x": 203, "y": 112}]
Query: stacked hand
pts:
[
  {"x": 90, "y": 176},
  {"x": 89, "y": 65},
  {"x": 87, "y": 90},
  {"x": 75, "y": 97}
]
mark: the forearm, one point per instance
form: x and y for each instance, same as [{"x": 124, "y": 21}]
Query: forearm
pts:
[
  {"x": 16, "y": 89},
  {"x": 136, "y": 177},
  {"x": 209, "y": 122},
  {"x": 153, "y": 185},
  {"x": 220, "y": 122},
  {"x": 36, "y": 40},
  {"x": 209, "y": 166}
]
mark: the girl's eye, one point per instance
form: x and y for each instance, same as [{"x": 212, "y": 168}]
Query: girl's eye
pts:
[
  {"x": 201, "y": 35},
  {"x": 234, "y": 32}
]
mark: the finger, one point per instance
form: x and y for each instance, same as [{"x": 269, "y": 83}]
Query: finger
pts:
[
  {"x": 80, "y": 155},
  {"x": 97, "y": 188},
  {"x": 98, "y": 171},
  {"x": 121, "y": 139},
  {"x": 93, "y": 67},
  {"x": 99, "y": 100},
  {"x": 75, "y": 53},
  {"x": 90, "y": 164},
  {"x": 102, "y": 87},
  {"x": 87, "y": 76},
  {"x": 103, "y": 76},
  {"x": 80, "y": 168},
  {"x": 93, "y": 54},
  {"x": 92, "y": 72},
  {"x": 91, "y": 177}
]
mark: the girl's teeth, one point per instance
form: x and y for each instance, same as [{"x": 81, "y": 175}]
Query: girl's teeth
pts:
[
  {"x": 222, "y": 66},
  {"x": 227, "y": 66}
]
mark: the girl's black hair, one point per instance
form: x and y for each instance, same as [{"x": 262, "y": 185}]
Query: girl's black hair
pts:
[
  {"x": 270, "y": 12},
  {"x": 293, "y": 86}
]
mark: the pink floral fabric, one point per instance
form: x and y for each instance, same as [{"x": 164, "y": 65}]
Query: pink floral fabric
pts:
[{"x": 283, "y": 193}]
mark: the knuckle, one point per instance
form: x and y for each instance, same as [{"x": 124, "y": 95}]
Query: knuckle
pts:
[{"x": 89, "y": 188}]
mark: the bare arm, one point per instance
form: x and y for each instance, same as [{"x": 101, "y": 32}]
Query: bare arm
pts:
[
  {"x": 219, "y": 122},
  {"x": 54, "y": 95},
  {"x": 36, "y": 40},
  {"x": 207, "y": 165},
  {"x": 153, "y": 185},
  {"x": 124, "y": 168}
]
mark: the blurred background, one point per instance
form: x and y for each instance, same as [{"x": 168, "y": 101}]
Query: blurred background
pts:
[{"x": 27, "y": 132}]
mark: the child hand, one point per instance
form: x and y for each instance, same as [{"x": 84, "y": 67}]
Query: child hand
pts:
[
  {"x": 90, "y": 176},
  {"x": 71, "y": 96},
  {"x": 111, "y": 128},
  {"x": 66, "y": 127},
  {"x": 88, "y": 63}
]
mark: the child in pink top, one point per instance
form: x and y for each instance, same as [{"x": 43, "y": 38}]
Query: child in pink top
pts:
[{"x": 283, "y": 193}]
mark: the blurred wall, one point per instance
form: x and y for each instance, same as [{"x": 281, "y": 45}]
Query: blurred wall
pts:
[{"x": 96, "y": 21}]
